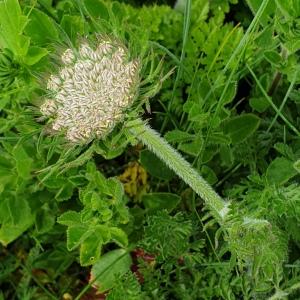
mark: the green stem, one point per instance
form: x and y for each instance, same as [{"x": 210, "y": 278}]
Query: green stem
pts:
[
  {"x": 278, "y": 111},
  {"x": 160, "y": 147}
]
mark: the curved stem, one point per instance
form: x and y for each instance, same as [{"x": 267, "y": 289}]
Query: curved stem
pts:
[{"x": 160, "y": 147}]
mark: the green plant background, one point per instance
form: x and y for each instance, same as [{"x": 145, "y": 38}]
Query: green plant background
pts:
[{"x": 111, "y": 210}]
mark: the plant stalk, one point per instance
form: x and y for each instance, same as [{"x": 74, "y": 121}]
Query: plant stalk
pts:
[{"x": 173, "y": 159}]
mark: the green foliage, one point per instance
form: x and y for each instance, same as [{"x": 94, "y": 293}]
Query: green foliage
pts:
[
  {"x": 41, "y": 28},
  {"x": 167, "y": 235},
  {"x": 15, "y": 218},
  {"x": 260, "y": 248},
  {"x": 154, "y": 166},
  {"x": 127, "y": 287},
  {"x": 241, "y": 127},
  {"x": 96, "y": 225},
  {"x": 157, "y": 201},
  {"x": 109, "y": 267},
  {"x": 13, "y": 22},
  {"x": 225, "y": 95}
]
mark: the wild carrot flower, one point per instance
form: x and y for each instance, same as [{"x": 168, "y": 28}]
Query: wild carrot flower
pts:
[{"x": 91, "y": 91}]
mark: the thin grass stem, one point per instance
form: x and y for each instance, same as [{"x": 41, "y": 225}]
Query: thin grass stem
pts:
[
  {"x": 286, "y": 97},
  {"x": 280, "y": 114},
  {"x": 186, "y": 27}
]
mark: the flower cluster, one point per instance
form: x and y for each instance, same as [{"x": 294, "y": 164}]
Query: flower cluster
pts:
[{"x": 92, "y": 90}]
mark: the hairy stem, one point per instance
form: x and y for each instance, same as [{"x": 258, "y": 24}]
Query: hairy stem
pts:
[{"x": 160, "y": 147}]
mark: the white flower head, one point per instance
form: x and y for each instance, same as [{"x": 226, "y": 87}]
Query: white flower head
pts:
[
  {"x": 68, "y": 57},
  {"x": 85, "y": 51},
  {"x": 92, "y": 91},
  {"x": 48, "y": 108},
  {"x": 53, "y": 83}
]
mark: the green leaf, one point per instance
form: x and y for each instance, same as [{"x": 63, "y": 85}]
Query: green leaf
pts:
[
  {"x": 44, "y": 220},
  {"x": 34, "y": 55},
  {"x": 55, "y": 181},
  {"x": 268, "y": 12},
  {"x": 219, "y": 138},
  {"x": 209, "y": 175},
  {"x": 55, "y": 260},
  {"x": 289, "y": 8},
  {"x": 280, "y": 171},
  {"x": 76, "y": 235},
  {"x": 90, "y": 250},
  {"x": 73, "y": 26},
  {"x": 23, "y": 161},
  {"x": 6, "y": 176},
  {"x": 191, "y": 148},
  {"x": 118, "y": 10},
  {"x": 41, "y": 28},
  {"x": 93, "y": 175},
  {"x": 260, "y": 104},
  {"x": 266, "y": 38},
  {"x": 273, "y": 58},
  {"x": 154, "y": 166},
  {"x": 96, "y": 9},
  {"x": 116, "y": 189},
  {"x": 241, "y": 127},
  {"x": 12, "y": 24},
  {"x": 292, "y": 45},
  {"x": 70, "y": 218},
  {"x": 296, "y": 165},
  {"x": 178, "y": 136},
  {"x": 285, "y": 150},
  {"x": 106, "y": 214},
  {"x": 65, "y": 192},
  {"x": 230, "y": 92},
  {"x": 15, "y": 218},
  {"x": 104, "y": 232},
  {"x": 110, "y": 266},
  {"x": 197, "y": 115},
  {"x": 158, "y": 201},
  {"x": 226, "y": 155},
  {"x": 119, "y": 236}
]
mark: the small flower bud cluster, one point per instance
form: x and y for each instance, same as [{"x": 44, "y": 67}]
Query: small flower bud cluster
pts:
[{"x": 91, "y": 91}]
